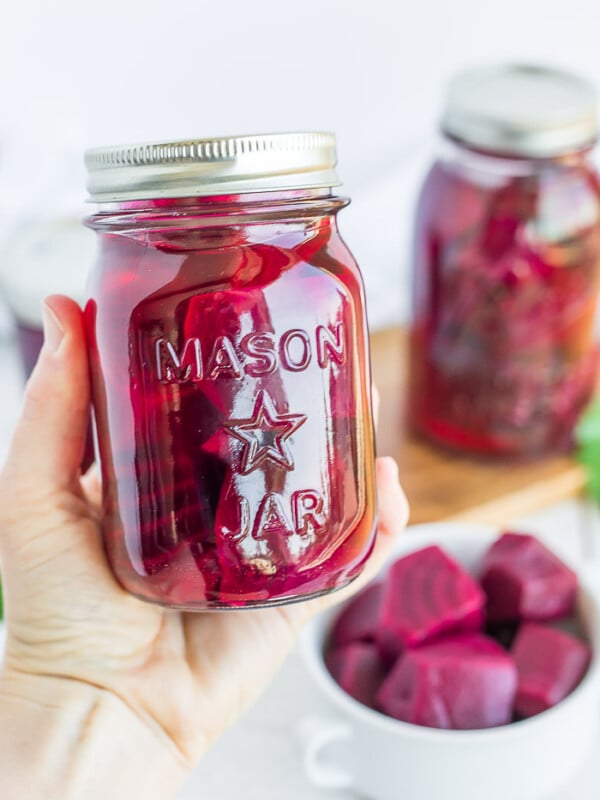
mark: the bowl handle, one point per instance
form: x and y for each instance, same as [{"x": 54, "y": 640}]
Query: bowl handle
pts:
[{"x": 316, "y": 733}]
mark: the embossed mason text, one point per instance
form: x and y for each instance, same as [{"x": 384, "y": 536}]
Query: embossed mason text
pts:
[{"x": 255, "y": 354}]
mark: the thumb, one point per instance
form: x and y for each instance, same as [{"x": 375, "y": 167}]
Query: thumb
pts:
[{"x": 48, "y": 444}]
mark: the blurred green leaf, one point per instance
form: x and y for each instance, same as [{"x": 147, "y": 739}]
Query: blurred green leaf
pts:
[{"x": 587, "y": 436}]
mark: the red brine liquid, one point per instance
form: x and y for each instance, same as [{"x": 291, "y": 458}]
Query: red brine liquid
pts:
[
  {"x": 230, "y": 379},
  {"x": 506, "y": 268}
]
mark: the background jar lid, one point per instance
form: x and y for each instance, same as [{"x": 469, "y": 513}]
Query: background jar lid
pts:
[
  {"x": 219, "y": 165},
  {"x": 521, "y": 110}
]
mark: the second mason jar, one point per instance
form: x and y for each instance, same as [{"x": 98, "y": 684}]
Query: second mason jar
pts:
[
  {"x": 230, "y": 372},
  {"x": 507, "y": 265}
]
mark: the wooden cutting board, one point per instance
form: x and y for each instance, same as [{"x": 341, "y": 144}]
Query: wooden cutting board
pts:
[{"x": 443, "y": 486}]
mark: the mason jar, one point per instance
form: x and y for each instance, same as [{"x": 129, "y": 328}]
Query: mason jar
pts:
[
  {"x": 506, "y": 265},
  {"x": 230, "y": 372}
]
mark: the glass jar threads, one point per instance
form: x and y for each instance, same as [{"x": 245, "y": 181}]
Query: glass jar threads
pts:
[
  {"x": 506, "y": 265},
  {"x": 230, "y": 372}
]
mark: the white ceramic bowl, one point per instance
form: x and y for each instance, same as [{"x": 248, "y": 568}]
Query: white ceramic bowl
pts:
[{"x": 386, "y": 759}]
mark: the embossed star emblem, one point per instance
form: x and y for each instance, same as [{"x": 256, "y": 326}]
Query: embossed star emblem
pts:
[{"x": 265, "y": 434}]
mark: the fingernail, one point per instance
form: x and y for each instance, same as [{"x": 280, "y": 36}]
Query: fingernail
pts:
[
  {"x": 53, "y": 330},
  {"x": 392, "y": 465}
]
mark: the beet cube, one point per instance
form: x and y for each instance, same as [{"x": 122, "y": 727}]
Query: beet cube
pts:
[
  {"x": 524, "y": 580},
  {"x": 426, "y": 594},
  {"x": 550, "y": 664},
  {"x": 465, "y": 681},
  {"x": 358, "y": 669},
  {"x": 357, "y": 621}
]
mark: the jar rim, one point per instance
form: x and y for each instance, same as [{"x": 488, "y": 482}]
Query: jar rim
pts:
[
  {"x": 215, "y": 211},
  {"x": 212, "y": 166}
]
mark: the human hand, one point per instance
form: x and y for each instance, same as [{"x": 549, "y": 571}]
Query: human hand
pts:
[{"x": 124, "y": 697}]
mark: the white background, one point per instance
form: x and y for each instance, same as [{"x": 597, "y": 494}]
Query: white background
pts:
[{"x": 77, "y": 73}]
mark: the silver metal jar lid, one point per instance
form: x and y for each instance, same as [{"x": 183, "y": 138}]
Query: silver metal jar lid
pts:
[
  {"x": 219, "y": 165},
  {"x": 521, "y": 110}
]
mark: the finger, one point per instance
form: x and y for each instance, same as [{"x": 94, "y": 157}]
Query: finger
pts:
[
  {"x": 375, "y": 399},
  {"x": 92, "y": 487},
  {"x": 48, "y": 443},
  {"x": 393, "y": 517}
]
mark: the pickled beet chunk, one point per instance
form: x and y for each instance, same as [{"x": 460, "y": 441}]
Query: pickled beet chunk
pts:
[
  {"x": 550, "y": 664},
  {"x": 462, "y": 682},
  {"x": 357, "y": 621},
  {"x": 523, "y": 580},
  {"x": 358, "y": 669},
  {"x": 426, "y": 594}
]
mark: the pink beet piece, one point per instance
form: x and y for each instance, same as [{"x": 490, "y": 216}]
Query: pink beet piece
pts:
[
  {"x": 462, "y": 682},
  {"x": 358, "y": 669},
  {"x": 357, "y": 621},
  {"x": 550, "y": 664},
  {"x": 524, "y": 580},
  {"x": 426, "y": 594}
]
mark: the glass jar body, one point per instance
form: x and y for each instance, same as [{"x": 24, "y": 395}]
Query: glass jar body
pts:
[
  {"x": 231, "y": 386},
  {"x": 506, "y": 271}
]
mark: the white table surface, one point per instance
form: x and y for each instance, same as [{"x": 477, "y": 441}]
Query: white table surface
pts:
[{"x": 261, "y": 758}]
